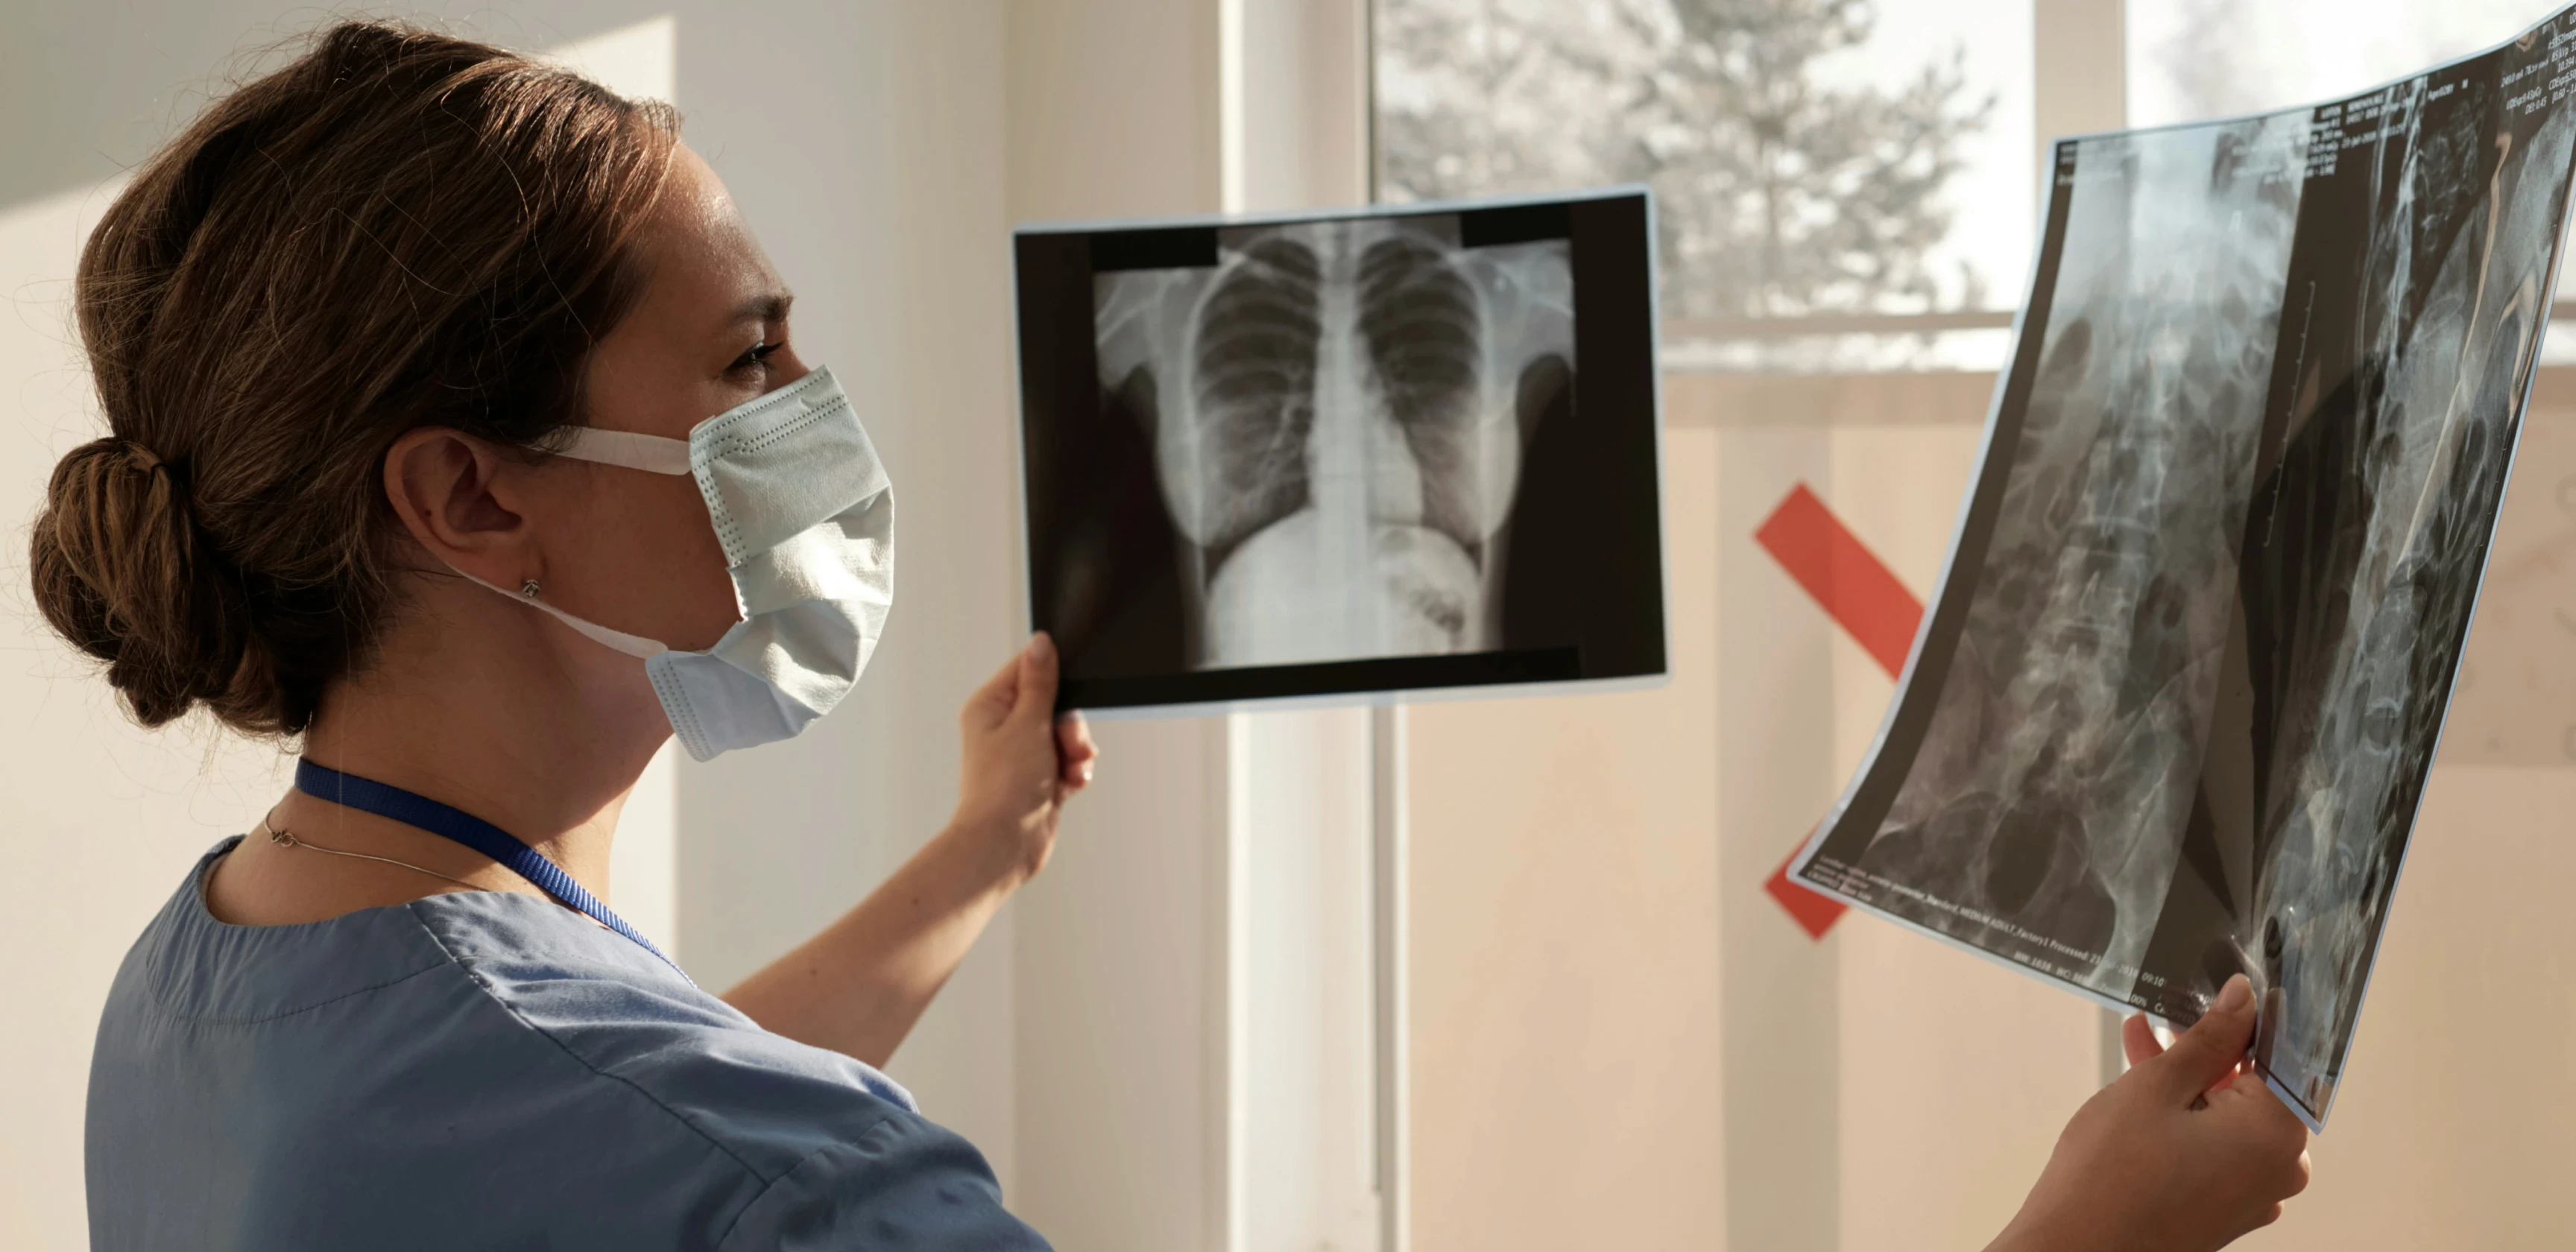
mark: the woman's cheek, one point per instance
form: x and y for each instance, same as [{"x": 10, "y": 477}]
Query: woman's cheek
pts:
[
  {"x": 669, "y": 566},
  {"x": 700, "y": 584}
]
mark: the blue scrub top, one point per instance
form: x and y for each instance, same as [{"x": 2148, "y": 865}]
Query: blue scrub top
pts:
[{"x": 488, "y": 1070}]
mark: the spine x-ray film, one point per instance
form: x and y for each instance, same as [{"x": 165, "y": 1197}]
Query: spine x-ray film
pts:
[
  {"x": 2171, "y": 714},
  {"x": 1315, "y": 457}
]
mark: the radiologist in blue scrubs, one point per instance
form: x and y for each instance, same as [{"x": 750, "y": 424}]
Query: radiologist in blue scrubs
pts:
[{"x": 457, "y": 436}]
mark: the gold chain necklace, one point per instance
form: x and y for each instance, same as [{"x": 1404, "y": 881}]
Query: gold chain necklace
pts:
[{"x": 287, "y": 839}]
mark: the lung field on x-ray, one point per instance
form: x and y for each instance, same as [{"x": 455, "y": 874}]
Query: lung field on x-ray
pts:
[
  {"x": 1254, "y": 388},
  {"x": 1422, "y": 326},
  {"x": 1337, "y": 412}
]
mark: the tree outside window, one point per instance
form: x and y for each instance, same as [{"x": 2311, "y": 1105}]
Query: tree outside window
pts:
[{"x": 1800, "y": 167}]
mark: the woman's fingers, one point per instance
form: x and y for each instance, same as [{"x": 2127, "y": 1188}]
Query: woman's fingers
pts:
[
  {"x": 2138, "y": 1040},
  {"x": 2209, "y": 1052},
  {"x": 2279, "y": 1167},
  {"x": 1075, "y": 752}
]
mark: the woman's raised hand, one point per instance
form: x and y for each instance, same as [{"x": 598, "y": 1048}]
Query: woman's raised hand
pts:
[
  {"x": 2186, "y": 1152},
  {"x": 1021, "y": 761},
  {"x": 859, "y": 986}
]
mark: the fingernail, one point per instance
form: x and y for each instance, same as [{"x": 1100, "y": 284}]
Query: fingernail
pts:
[
  {"x": 1040, "y": 646},
  {"x": 1086, "y": 773},
  {"x": 2235, "y": 995}
]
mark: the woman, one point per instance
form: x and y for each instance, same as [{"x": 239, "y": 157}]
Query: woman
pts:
[{"x": 457, "y": 432}]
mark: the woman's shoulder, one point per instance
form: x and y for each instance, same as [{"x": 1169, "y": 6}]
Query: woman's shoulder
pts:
[
  {"x": 836, "y": 1146},
  {"x": 477, "y": 1030},
  {"x": 624, "y": 1014}
]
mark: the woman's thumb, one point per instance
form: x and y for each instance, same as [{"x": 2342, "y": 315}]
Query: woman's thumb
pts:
[
  {"x": 2211, "y": 1049},
  {"x": 1036, "y": 696}
]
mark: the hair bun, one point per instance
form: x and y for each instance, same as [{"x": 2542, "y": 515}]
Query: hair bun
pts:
[
  {"x": 150, "y": 462},
  {"x": 119, "y": 570}
]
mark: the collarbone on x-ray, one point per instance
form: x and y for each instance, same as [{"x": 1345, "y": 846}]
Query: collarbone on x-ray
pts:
[{"x": 1338, "y": 412}]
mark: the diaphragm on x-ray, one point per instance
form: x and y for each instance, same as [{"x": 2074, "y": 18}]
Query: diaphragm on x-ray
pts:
[
  {"x": 2172, "y": 712},
  {"x": 1367, "y": 452}
]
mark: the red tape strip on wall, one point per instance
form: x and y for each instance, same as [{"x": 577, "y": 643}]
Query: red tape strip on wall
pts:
[{"x": 1862, "y": 596}]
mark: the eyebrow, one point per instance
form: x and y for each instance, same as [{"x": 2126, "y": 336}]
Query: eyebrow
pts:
[{"x": 764, "y": 308}]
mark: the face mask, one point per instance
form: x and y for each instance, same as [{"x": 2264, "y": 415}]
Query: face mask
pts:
[{"x": 806, "y": 518}]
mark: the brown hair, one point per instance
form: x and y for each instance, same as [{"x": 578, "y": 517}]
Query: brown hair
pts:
[{"x": 399, "y": 229}]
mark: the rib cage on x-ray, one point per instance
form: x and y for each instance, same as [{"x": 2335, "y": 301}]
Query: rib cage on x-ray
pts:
[
  {"x": 1241, "y": 448},
  {"x": 1338, "y": 413}
]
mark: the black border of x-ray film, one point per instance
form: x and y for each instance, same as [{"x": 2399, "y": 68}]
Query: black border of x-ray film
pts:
[
  {"x": 1615, "y": 635},
  {"x": 1863, "y": 806}
]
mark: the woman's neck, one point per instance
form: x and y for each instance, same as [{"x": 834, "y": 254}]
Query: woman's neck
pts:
[{"x": 502, "y": 729}]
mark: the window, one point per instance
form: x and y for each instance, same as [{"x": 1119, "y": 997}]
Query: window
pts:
[
  {"x": 2197, "y": 59},
  {"x": 1841, "y": 185}
]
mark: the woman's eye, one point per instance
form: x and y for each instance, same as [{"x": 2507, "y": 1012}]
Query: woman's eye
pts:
[{"x": 755, "y": 358}]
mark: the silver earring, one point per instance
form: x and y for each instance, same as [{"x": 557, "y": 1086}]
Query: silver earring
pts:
[{"x": 529, "y": 589}]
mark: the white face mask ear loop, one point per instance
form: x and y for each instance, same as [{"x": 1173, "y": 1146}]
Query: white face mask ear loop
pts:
[
  {"x": 652, "y": 454},
  {"x": 632, "y": 645}
]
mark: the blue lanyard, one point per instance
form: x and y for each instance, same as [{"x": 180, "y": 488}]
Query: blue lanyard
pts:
[{"x": 367, "y": 796}]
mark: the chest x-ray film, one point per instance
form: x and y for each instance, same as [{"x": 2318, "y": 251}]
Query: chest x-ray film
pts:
[
  {"x": 2171, "y": 715},
  {"x": 1380, "y": 451}
]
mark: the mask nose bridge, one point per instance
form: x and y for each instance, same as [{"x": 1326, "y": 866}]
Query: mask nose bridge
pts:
[{"x": 768, "y": 482}]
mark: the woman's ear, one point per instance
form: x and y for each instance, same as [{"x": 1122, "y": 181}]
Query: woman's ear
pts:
[{"x": 445, "y": 487}]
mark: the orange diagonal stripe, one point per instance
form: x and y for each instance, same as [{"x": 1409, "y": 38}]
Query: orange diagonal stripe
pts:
[
  {"x": 1853, "y": 586},
  {"x": 1857, "y": 590}
]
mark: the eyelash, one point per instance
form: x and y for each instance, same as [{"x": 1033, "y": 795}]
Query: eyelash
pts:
[{"x": 758, "y": 356}]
